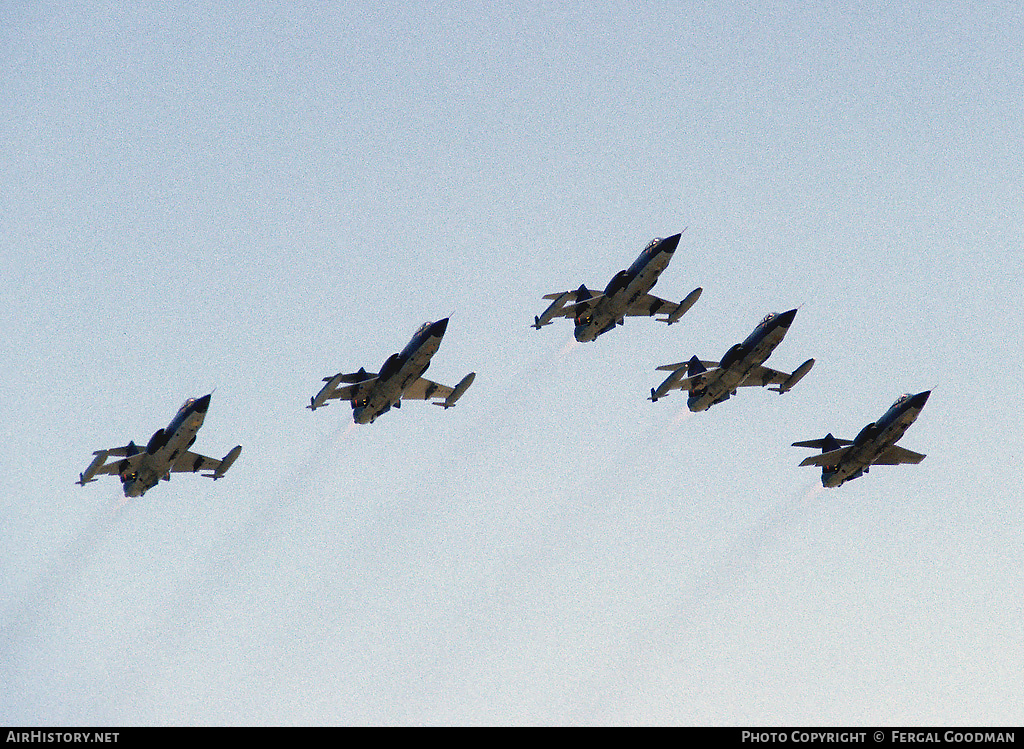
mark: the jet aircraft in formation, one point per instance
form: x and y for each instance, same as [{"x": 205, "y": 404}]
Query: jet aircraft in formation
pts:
[
  {"x": 166, "y": 452},
  {"x": 711, "y": 382},
  {"x": 626, "y": 294},
  {"x": 401, "y": 377},
  {"x": 842, "y": 460}
]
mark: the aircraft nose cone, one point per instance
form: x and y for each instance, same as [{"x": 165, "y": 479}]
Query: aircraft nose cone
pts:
[
  {"x": 785, "y": 319},
  {"x": 202, "y": 405},
  {"x": 920, "y": 399},
  {"x": 669, "y": 244},
  {"x": 438, "y": 328}
]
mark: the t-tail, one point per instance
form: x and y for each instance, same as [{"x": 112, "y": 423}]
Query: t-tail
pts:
[
  {"x": 827, "y": 444},
  {"x": 695, "y": 367}
]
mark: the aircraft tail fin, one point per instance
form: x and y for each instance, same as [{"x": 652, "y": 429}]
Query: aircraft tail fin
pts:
[
  {"x": 360, "y": 376},
  {"x": 695, "y": 367}
]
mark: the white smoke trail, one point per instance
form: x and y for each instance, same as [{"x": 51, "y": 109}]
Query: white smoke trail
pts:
[
  {"x": 742, "y": 558},
  {"x": 56, "y": 582},
  {"x": 569, "y": 348}
]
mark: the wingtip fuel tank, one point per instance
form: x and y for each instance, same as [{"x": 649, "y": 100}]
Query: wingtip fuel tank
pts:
[
  {"x": 320, "y": 399},
  {"x": 225, "y": 464},
  {"x": 553, "y": 309},
  {"x": 459, "y": 390},
  {"x": 98, "y": 461},
  {"x": 684, "y": 306},
  {"x": 794, "y": 378}
]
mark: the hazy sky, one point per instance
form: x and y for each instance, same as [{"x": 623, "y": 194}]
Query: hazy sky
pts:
[{"x": 250, "y": 197}]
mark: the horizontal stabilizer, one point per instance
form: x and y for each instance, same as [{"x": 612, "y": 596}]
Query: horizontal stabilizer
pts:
[
  {"x": 121, "y": 452},
  {"x": 361, "y": 376},
  {"x": 828, "y": 442},
  {"x": 680, "y": 365}
]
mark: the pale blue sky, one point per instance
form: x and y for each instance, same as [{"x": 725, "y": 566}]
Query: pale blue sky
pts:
[{"x": 252, "y": 197}]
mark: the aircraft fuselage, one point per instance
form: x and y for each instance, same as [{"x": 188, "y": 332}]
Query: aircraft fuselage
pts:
[
  {"x": 399, "y": 372},
  {"x": 875, "y": 439},
  {"x": 164, "y": 447},
  {"x": 720, "y": 383},
  {"x": 625, "y": 288}
]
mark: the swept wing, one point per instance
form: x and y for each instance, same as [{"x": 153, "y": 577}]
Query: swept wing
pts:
[
  {"x": 896, "y": 455},
  {"x": 128, "y": 456},
  {"x": 424, "y": 389},
  {"x": 831, "y": 458},
  {"x": 357, "y": 385},
  {"x": 190, "y": 462}
]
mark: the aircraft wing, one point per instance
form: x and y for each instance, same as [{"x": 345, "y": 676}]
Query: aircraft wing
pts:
[
  {"x": 359, "y": 382},
  {"x": 424, "y": 389},
  {"x": 763, "y": 376},
  {"x": 111, "y": 468},
  {"x": 687, "y": 383},
  {"x": 347, "y": 392},
  {"x": 826, "y": 459},
  {"x": 648, "y": 305},
  {"x": 896, "y": 455},
  {"x": 566, "y": 304},
  {"x": 190, "y": 462},
  {"x": 127, "y": 457}
]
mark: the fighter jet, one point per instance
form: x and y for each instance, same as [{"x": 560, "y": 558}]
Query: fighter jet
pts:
[
  {"x": 166, "y": 452},
  {"x": 626, "y": 294},
  {"x": 711, "y": 382},
  {"x": 401, "y": 377},
  {"x": 842, "y": 460}
]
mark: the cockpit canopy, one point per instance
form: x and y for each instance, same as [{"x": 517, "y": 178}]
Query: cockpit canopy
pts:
[
  {"x": 423, "y": 327},
  {"x": 653, "y": 243},
  {"x": 768, "y": 317},
  {"x": 901, "y": 399}
]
